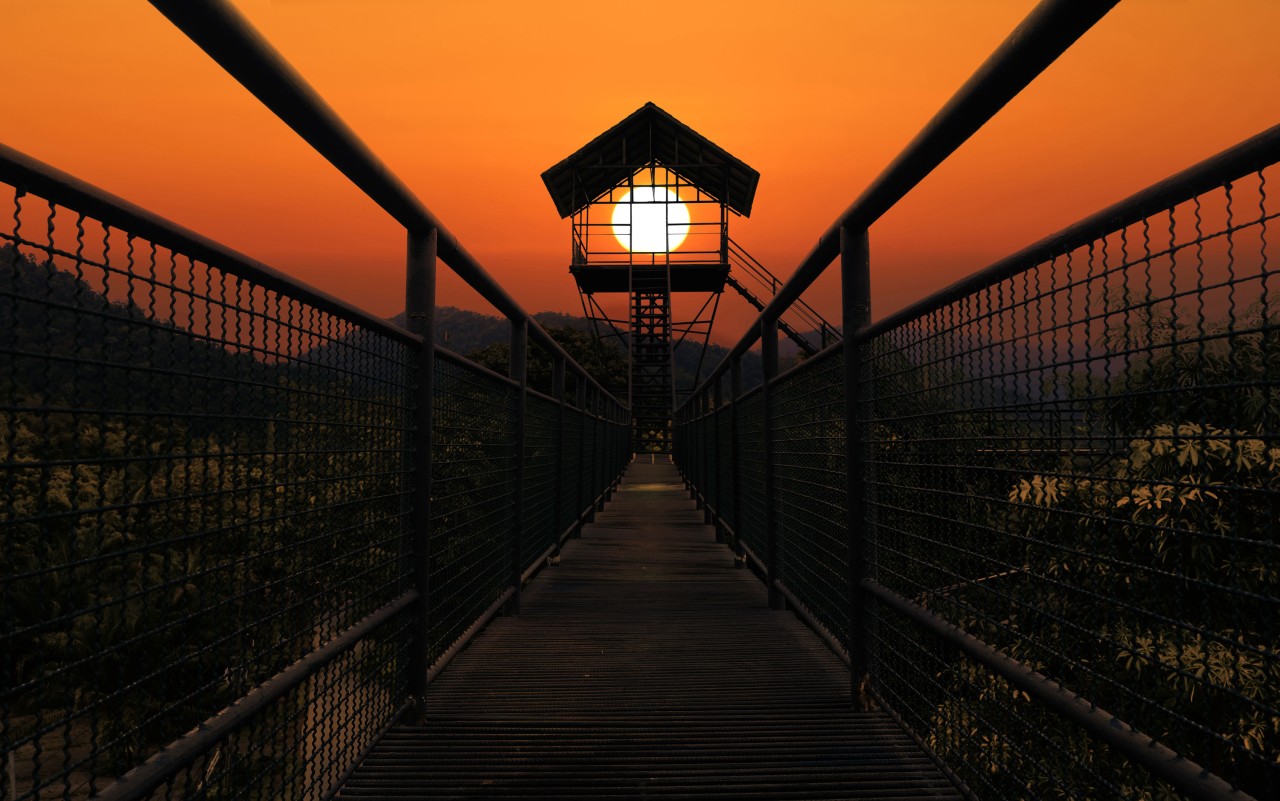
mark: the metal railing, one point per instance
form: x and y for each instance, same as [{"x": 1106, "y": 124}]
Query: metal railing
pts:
[
  {"x": 800, "y": 322},
  {"x": 221, "y": 489},
  {"x": 1037, "y": 511}
]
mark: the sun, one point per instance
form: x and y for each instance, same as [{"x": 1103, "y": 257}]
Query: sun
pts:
[{"x": 650, "y": 219}]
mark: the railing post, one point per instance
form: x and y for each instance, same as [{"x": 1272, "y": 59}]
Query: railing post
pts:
[
  {"x": 583, "y": 471},
  {"x": 769, "y": 359},
  {"x": 519, "y": 372},
  {"x": 735, "y": 467},
  {"x": 855, "y": 297},
  {"x": 557, "y": 502},
  {"x": 420, "y": 305},
  {"x": 699, "y": 479},
  {"x": 713, "y": 447},
  {"x": 597, "y": 449}
]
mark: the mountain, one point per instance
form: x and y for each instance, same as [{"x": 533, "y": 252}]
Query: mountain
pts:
[{"x": 465, "y": 332}]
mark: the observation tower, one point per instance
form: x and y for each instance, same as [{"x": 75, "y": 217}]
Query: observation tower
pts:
[{"x": 650, "y": 201}]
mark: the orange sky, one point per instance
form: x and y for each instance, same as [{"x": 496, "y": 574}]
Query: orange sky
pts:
[{"x": 468, "y": 102}]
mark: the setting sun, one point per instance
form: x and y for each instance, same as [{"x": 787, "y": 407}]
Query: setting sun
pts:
[{"x": 650, "y": 219}]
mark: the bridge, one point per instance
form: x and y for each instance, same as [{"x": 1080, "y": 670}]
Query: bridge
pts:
[{"x": 1018, "y": 540}]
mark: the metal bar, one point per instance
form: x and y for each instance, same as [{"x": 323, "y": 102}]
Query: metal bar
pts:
[
  {"x": 471, "y": 366},
  {"x": 735, "y": 422},
  {"x": 557, "y": 390},
  {"x": 713, "y": 515},
  {"x": 597, "y": 451},
  {"x": 66, "y": 190},
  {"x": 519, "y": 373},
  {"x": 1251, "y": 155},
  {"x": 144, "y": 780},
  {"x": 1046, "y": 33},
  {"x": 1164, "y": 763},
  {"x": 769, "y": 357},
  {"x": 420, "y": 305},
  {"x": 583, "y": 472},
  {"x": 855, "y": 303},
  {"x": 229, "y": 39}
]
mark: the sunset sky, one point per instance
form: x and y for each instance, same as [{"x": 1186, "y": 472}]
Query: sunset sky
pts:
[{"x": 468, "y": 102}]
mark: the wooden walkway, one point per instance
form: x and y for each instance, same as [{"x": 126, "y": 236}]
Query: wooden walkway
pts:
[{"x": 645, "y": 665}]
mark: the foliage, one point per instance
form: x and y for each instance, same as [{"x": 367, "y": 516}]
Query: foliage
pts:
[
  {"x": 171, "y": 539},
  {"x": 605, "y": 361},
  {"x": 1144, "y": 577}
]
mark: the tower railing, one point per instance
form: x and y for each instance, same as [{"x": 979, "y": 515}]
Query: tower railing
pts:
[
  {"x": 244, "y": 523},
  {"x": 1036, "y": 511}
]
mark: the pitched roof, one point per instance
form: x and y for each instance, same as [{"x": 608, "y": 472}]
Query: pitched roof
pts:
[{"x": 647, "y": 136}]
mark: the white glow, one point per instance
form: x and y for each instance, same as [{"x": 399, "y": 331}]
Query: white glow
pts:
[{"x": 650, "y": 219}]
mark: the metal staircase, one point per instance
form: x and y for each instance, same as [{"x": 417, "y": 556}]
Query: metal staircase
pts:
[{"x": 801, "y": 323}]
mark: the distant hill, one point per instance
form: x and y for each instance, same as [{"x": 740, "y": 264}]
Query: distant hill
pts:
[{"x": 463, "y": 332}]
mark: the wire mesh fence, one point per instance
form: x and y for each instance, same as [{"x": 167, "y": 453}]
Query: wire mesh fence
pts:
[
  {"x": 725, "y": 496},
  {"x": 750, "y": 490},
  {"x": 1075, "y": 463},
  {"x": 473, "y": 475},
  {"x": 543, "y": 459},
  {"x": 1079, "y": 464},
  {"x": 205, "y": 482},
  {"x": 809, "y": 486},
  {"x": 201, "y": 479}
]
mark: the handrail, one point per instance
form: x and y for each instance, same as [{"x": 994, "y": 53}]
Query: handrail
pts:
[
  {"x": 1254, "y": 153},
  {"x": 233, "y": 43},
  {"x": 58, "y": 187},
  {"x": 163, "y": 766},
  {"x": 1045, "y": 34},
  {"x": 806, "y": 313}
]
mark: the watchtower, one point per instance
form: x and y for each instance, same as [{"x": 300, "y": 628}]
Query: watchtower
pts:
[{"x": 650, "y": 201}]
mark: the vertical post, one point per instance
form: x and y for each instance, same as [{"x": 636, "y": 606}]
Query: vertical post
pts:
[
  {"x": 735, "y": 466},
  {"x": 606, "y": 473},
  {"x": 557, "y": 392},
  {"x": 769, "y": 359},
  {"x": 583, "y": 476},
  {"x": 519, "y": 372},
  {"x": 713, "y": 464},
  {"x": 597, "y": 451},
  {"x": 855, "y": 298},
  {"x": 699, "y": 479},
  {"x": 420, "y": 305}
]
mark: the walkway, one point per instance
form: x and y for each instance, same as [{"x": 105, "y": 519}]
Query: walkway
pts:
[{"x": 645, "y": 665}]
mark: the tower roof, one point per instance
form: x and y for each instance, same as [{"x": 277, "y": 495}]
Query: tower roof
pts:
[{"x": 650, "y": 136}]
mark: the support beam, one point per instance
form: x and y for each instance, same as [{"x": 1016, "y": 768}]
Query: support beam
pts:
[
  {"x": 557, "y": 502},
  {"x": 855, "y": 299},
  {"x": 735, "y": 423},
  {"x": 769, "y": 358},
  {"x": 519, "y": 372},
  {"x": 420, "y": 305}
]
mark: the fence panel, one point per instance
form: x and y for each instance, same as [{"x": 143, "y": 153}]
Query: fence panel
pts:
[
  {"x": 202, "y": 479},
  {"x": 751, "y": 529},
  {"x": 473, "y": 464},
  {"x": 809, "y": 488},
  {"x": 1079, "y": 465},
  {"x": 540, "y": 530},
  {"x": 1074, "y": 464}
]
